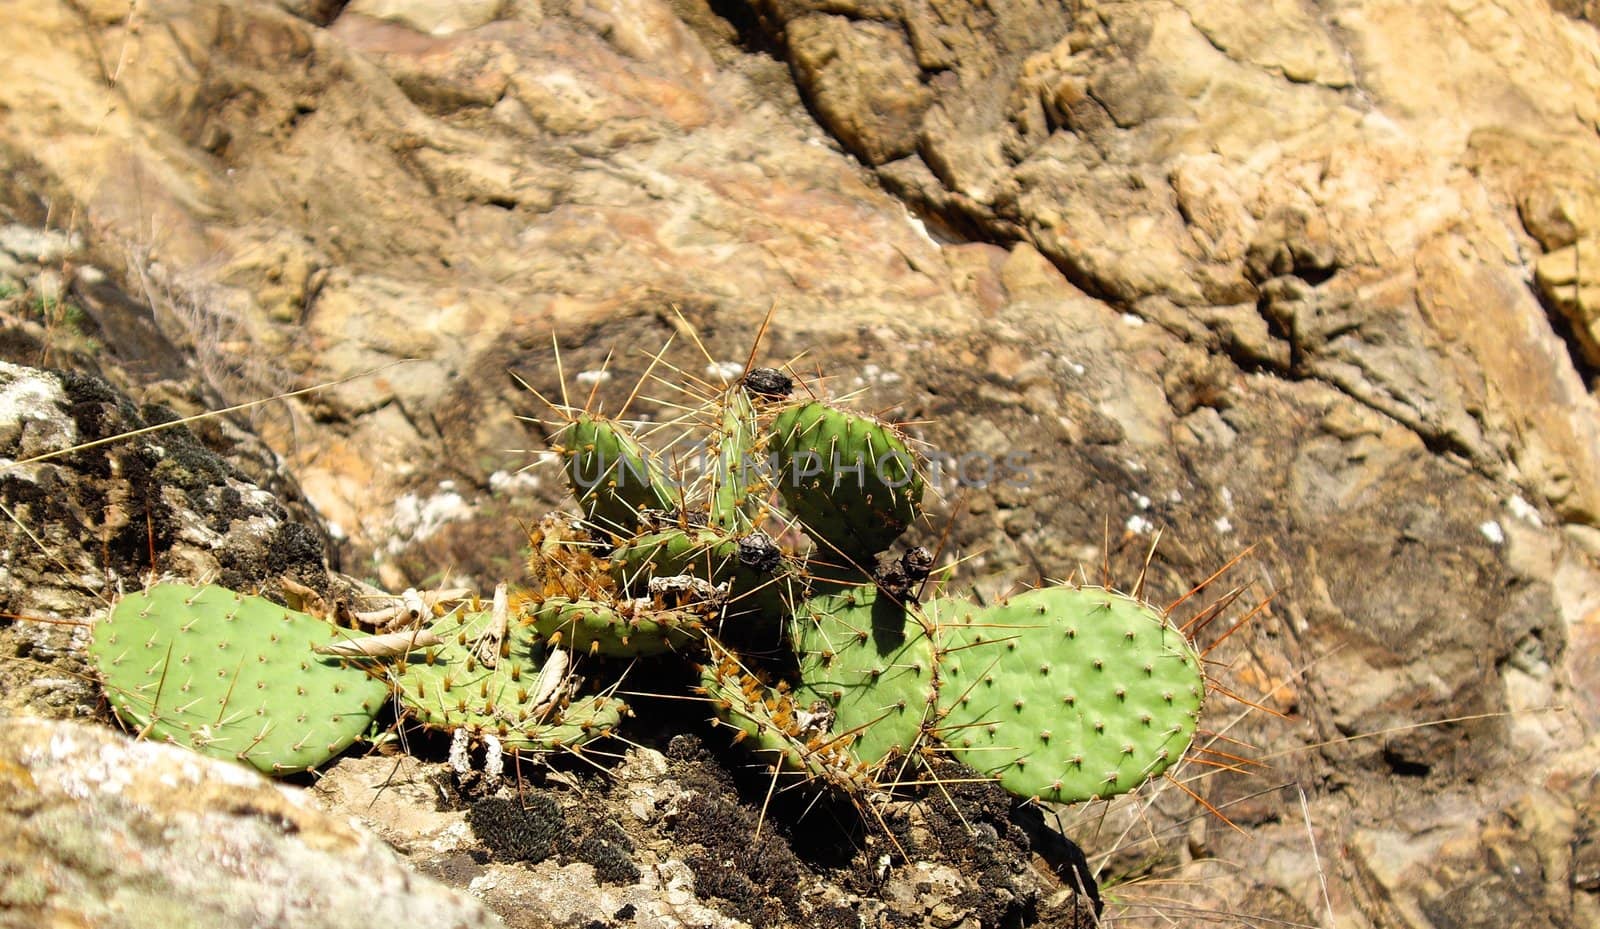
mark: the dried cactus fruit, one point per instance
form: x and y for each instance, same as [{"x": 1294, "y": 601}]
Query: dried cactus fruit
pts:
[{"x": 768, "y": 383}]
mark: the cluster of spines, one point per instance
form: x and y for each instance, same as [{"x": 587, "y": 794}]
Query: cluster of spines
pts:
[
  {"x": 491, "y": 676},
  {"x": 794, "y": 738}
]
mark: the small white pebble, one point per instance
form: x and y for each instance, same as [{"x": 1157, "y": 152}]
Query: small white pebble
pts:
[
  {"x": 1223, "y": 525},
  {"x": 1523, "y": 510},
  {"x": 506, "y": 481},
  {"x": 1138, "y": 524},
  {"x": 1491, "y": 530},
  {"x": 725, "y": 370},
  {"x": 1131, "y": 320},
  {"x": 593, "y": 377}
]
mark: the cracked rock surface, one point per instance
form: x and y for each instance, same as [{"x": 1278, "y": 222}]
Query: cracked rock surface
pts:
[
  {"x": 106, "y": 832},
  {"x": 1308, "y": 276}
]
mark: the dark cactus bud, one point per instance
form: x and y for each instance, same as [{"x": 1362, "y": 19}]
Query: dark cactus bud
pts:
[
  {"x": 917, "y": 562},
  {"x": 768, "y": 382},
  {"x": 758, "y": 552},
  {"x": 902, "y": 577}
]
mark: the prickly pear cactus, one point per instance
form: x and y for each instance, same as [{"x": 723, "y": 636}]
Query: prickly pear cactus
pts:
[
  {"x": 850, "y": 479},
  {"x": 1065, "y": 694},
  {"x": 232, "y": 676},
  {"x": 611, "y": 475},
  {"x": 491, "y": 677},
  {"x": 818, "y": 656},
  {"x": 870, "y": 659},
  {"x": 1061, "y": 694}
]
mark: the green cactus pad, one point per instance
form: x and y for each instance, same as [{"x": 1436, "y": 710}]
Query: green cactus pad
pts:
[
  {"x": 704, "y": 553},
  {"x": 777, "y": 728},
  {"x": 625, "y": 629},
  {"x": 1065, "y": 694},
  {"x": 450, "y": 687},
  {"x": 759, "y": 577},
  {"x": 735, "y": 440},
  {"x": 582, "y": 721},
  {"x": 233, "y": 677},
  {"x": 851, "y": 480},
  {"x": 611, "y": 475},
  {"x": 873, "y": 662}
]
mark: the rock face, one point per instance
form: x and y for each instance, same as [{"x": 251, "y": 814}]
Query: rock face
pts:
[
  {"x": 1312, "y": 277},
  {"x": 122, "y": 835},
  {"x": 90, "y": 514},
  {"x": 1296, "y": 173}
]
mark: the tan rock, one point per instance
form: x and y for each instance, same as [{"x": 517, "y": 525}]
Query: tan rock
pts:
[
  {"x": 435, "y": 17},
  {"x": 1282, "y": 36},
  {"x": 105, "y": 831},
  {"x": 1028, "y": 274},
  {"x": 1574, "y": 288},
  {"x": 864, "y": 80}
]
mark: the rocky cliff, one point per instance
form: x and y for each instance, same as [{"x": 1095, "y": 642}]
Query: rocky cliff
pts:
[{"x": 1310, "y": 276}]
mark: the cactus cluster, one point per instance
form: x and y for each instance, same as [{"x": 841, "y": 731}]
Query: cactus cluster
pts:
[
  {"x": 240, "y": 677},
  {"x": 821, "y": 656},
  {"x": 819, "y": 652}
]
